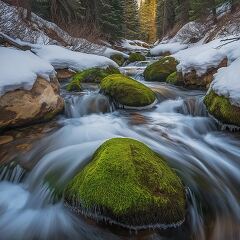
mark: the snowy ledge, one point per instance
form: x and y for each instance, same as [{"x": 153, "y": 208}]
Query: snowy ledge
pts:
[
  {"x": 20, "y": 69},
  {"x": 63, "y": 58}
]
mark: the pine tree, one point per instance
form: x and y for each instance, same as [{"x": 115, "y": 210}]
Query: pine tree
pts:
[
  {"x": 131, "y": 26},
  {"x": 110, "y": 18}
]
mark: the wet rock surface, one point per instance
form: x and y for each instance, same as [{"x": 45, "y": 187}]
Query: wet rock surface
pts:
[{"x": 22, "y": 107}]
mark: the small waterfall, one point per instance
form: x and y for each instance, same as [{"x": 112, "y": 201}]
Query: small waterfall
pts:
[
  {"x": 11, "y": 172},
  {"x": 92, "y": 102},
  {"x": 195, "y": 107}
]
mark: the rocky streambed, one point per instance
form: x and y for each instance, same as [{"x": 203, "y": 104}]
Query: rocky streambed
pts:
[{"x": 64, "y": 181}]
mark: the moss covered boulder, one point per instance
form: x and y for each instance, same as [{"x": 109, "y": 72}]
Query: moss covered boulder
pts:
[
  {"x": 128, "y": 184},
  {"x": 136, "y": 57},
  {"x": 221, "y": 108},
  {"x": 160, "y": 70},
  {"x": 92, "y": 75},
  {"x": 118, "y": 58},
  {"x": 127, "y": 92}
]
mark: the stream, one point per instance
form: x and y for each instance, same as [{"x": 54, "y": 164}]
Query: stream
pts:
[{"x": 206, "y": 157}]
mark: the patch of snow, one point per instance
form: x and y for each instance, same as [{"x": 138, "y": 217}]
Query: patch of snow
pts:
[
  {"x": 62, "y": 58},
  {"x": 205, "y": 56},
  {"x": 131, "y": 45},
  {"x": 110, "y": 52},
  {"x": 167, "y": 47},
  {"x": 20, "y": 69},
  {"x": 227, "y": 82},
  {"x": 141, "y": 43}
]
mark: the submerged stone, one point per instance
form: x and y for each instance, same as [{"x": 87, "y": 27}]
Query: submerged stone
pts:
[
  {"x": 128, "y": 184},
  {"x": 160, "y": 70},
  {"x": 126, "y": 91}
]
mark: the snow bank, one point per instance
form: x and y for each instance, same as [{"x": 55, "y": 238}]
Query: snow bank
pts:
[
  {"x": 131, "y": 45},
  {"x": 227, "y": 82},
  {"x": 205, "y": 56},
  {"x": 20, "y": 69},
  {"x": 168, "y": 47},
  {"x": 110, "y": 52},
  {"x": 62, "y": 58}
]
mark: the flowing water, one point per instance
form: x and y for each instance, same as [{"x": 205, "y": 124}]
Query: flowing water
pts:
[{"x": 178, "y": 127}]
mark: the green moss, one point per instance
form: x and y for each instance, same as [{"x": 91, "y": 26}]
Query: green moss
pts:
[
  {"x": 160, "y": 70},
  {"x": 126, "y": 91},
  {"x": 221, "y": 108},
  {"x": 172, "y": 78},
  {"x": 136, "y": 57},
  {"x": 92, "y": 75},
  {"x": 118, "y": 58},
  {"x": 74, "y": 85},
  {"x": 130, "y": 183}
]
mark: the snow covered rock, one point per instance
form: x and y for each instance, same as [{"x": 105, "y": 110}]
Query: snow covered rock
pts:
[
  {"x": 20, "y": 69},
  {"x": 24, "y": 107},
  {"x": 195, "y": 80},
  {"x": 29, "y": 90},
  {"x": 223, "y": 98},
  {"x": 109, "y": 52},
  {"x": 227, "y": 82},
  {"x": 200, "y": 62},
  {"x": 200, "y": 58},
  {"x": 167, "y": 49},
  {"x": 63, "y": 58},
  {"x": 132, "y": 45}
]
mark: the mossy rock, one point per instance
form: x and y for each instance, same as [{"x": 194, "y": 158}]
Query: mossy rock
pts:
[
  {"x": 221, "y": 108},
  {"x": 128, "y": 184},
  {"x": 160, "y": 70},
  {"x": 92, "y": 75},
  {"x": 118, "y": 58},
  {"x": 172, "y": 78},
  {"x": 136, "y": 57},
  {"x": 126, "y": 91}
]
